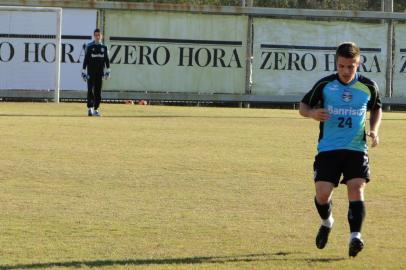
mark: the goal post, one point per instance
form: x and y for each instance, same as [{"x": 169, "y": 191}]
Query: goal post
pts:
[{"x": 13, "y": 25}]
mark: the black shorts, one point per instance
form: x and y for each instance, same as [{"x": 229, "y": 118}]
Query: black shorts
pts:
[{"x": 330, "y": 165}]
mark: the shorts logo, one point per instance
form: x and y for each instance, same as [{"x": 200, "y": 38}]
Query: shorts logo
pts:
[
  {"x": 347, "y": 96},
  {"x": 365, "y": 163}
]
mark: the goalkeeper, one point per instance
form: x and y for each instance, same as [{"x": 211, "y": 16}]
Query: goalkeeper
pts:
[{"x": 96, "y": 66}]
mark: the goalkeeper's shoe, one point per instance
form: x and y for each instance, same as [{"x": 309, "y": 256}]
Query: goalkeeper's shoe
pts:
[
  {"x": 90, "y": 112},
  {"x": 96, "y": 113},
  {"x": 322, "y": 236},
  {"x": 356, "y": 245}
]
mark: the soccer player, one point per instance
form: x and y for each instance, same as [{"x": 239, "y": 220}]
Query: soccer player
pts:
[
  {"x": 98, "y": 67},
  {"x": 340, "y": 103}
]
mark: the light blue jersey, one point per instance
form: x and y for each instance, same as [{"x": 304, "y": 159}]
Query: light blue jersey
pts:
[{"x": 347, "y": 105}]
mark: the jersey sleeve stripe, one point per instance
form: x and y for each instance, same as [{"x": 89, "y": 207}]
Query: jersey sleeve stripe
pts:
[
  {"x": 374, "y": 93},
  {"x": 318, "y": 87}
]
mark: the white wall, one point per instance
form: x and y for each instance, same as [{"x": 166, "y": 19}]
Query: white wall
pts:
[
  {"x": 176, "y": 52},
  {"x": 27, "y": 57},
  {"x": 399, "y": 74},
  {"x": 290, "y": 56}
]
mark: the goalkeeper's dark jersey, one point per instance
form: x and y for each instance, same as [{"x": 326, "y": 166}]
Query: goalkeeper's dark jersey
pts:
[
  {"x": 347, "y": 105},
  {"x": 96, "y": 58}
]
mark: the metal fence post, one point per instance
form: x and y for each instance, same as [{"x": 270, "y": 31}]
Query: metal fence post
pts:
[
  {"x": 387, "y": 6},
  {"x": 249, "y": 55}
]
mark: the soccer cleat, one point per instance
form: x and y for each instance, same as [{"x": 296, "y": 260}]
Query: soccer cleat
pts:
[
  {"x": 90, "y": 112},
  {"x": 356, "y": 245},
  {"x": 322, "y": 237},
  {"x": 96, "y": 113}
]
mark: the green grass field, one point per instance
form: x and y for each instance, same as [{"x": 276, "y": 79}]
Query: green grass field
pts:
[{"x": 150, "y": 187}]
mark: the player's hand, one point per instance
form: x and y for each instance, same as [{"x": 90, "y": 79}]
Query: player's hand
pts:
[
  {"x": 107, "y": 74},
  {"x": 374, "y": 137},
  {"x": 84, "y": 75},
  {"x": 319, "y": 114}
]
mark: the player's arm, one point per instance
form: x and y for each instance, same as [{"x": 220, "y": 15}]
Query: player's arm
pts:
[
  {"x": 85, "y": 64},
  {"x": 375, "y": 115},
  {"x": 307, "y": 107},
  {"x": 375, "y": 118},
  {"x": 319, "y": 114},
  {"x": 87, "y": 56},
  {"x": 106, "y": 58},
  {"x": 107, "y": 63}
]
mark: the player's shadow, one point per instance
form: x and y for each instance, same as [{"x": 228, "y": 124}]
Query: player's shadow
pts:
[
  {"x": 323, "y": 260},
  {"x": 166, "y": 116},
  {"x": 284, "y": 256},
  {"x": 147, "y": 116}
]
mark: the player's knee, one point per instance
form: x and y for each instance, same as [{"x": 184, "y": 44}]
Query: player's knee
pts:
[
  {"x": 323, "y": 197},
  {"x": 356, "y": 189},
  {"x": 323, "y": 192},
  {"x": 356, "y": 194}
]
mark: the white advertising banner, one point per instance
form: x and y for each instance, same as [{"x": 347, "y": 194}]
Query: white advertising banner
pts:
[
  {"x": 399, "y": 74},
  {"x": 176, "y": 52},
  {"x": 290, "y": 56},
  {"x": 27, "y": 48}
]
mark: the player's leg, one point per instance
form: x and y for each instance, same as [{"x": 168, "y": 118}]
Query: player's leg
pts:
[
  {"x": 97, "y": 94},
  {"x": 90, "y": 95},
  {"x": 323, "y": 202},
  {"x": 356, "y": 214},
  {"x": 356, "y": 176},
  {"x": 327, "y": 173}
]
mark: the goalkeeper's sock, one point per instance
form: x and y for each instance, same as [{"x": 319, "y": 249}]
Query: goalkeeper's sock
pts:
[{"x": 90, "y": 111}]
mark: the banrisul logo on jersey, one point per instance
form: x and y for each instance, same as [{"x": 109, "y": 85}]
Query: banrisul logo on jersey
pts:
[
  {"x": 347, "y": 96},
  {"x": 345, "y": 111}
]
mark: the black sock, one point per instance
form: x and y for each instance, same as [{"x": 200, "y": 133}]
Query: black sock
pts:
[
  {"x": 356, "y": 215},
  {"x": 324, "y": 209}
]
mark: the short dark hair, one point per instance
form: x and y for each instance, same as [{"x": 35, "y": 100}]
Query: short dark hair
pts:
[
  {"x": 348, "y": 50},
  {"x": 97, "y": 30}
]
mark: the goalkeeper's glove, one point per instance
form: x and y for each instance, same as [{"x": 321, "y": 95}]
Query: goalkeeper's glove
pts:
[
  {"x": 84, "y": 75},
  {"x": 107, "y": 74}
]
